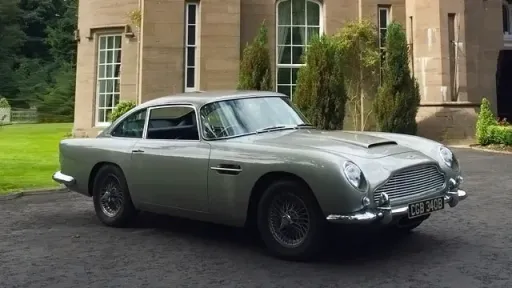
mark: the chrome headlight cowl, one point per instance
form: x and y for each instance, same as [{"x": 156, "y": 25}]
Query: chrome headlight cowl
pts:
[
  {"x": 448, "y": 158},
  {"x": 354, "y": 175}
]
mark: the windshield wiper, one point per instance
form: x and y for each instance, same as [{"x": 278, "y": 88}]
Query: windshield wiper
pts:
[{"x": 276, "y": 127}]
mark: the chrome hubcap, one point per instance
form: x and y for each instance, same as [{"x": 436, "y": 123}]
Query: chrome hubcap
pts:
[
  {"x": 288, "y": 220},
  {"x": 111, "y": 197}
]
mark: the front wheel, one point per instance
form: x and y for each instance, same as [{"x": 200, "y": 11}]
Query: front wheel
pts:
[
  {"x": 290, "y": 221},
  {"x": 112, "y": 201}
]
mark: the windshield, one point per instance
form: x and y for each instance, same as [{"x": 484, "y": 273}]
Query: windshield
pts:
[{"x": 231, "y": 118}]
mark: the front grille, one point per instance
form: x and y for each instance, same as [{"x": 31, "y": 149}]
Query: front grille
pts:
[{"x": 416, "y": 180}]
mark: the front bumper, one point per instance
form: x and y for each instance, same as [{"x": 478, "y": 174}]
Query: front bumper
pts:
[
  {"x": 385, "y": 214},
  {"x": 64, "y": 179}
]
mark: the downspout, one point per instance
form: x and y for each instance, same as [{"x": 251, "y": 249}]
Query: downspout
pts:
[{"x": 138, "y": 86}]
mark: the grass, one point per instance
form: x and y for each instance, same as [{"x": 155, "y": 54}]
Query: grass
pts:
[{"x": 29, "y": 155}]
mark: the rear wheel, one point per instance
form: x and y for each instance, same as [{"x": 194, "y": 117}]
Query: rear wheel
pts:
[
  {"x": 290, "y": 221},
  {"x": 112, "y": 201}
]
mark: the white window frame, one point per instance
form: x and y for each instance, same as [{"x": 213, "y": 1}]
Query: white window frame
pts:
[
  {"x": 194, "y": 47},
  {"x": 507, "y": 35},
  {"x": 104, "y": 65},
  {"x": 387, "y": 9},
  {"x": 321, "y": 31}
]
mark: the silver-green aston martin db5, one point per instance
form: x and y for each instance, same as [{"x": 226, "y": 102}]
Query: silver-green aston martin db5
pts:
[{"x": 251, "y": 159}]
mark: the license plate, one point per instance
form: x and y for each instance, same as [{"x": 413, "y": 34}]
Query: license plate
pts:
[{"x": 425, "y": 207}]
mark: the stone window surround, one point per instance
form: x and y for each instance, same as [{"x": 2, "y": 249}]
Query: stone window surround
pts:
[
  {"x": 104, "y": 81},
  {"x": 293, "y": 67}
]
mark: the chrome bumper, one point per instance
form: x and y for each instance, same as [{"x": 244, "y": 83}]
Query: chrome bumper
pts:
[
  {"x": 385, "y": 215},
  {"x": 61, "y": 178}
]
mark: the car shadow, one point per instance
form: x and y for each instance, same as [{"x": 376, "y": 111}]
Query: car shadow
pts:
[{"x": 344, "y": 246}]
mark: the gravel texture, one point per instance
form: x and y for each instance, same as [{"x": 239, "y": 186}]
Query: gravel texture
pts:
[{"x": 56, "y": 241}]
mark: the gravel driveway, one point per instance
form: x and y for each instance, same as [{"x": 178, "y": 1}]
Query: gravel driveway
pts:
[{"x": 56, "y": 241}]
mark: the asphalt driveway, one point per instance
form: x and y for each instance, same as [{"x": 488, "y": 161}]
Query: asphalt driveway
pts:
[{"x": 56, "y": 241}]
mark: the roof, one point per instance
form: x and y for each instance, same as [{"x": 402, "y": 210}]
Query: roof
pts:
[{"x": 200, "y": 98}]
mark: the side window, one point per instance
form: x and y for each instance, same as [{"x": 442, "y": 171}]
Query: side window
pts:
[
  {"x": 172, "y": 123},
  {"x": 132, "y": 126}
]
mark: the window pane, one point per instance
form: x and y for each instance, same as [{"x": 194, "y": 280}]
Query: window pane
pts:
[
  {"x": 284, "y": 13},
  {"x": 117, "y": 42},
  {"x": 110, "y": 56},
  {"x": 299, "y": 35},
  {"x": 285, "y": 89},
  {"x": 191, "y": 14},
  {"x": 117, "y": 56},
  {"x": 296, "y": 54},
  {"x": 109, "y": 100},
  {"x": 285, "y": 35},
  {"x": 101, "y": 100},
  {"x": 191, "y": 35},
  {"x": 191, "y": 56},
  {"x": 102, "y": 86},
  {"x": 116, "y": 100},
  {"x": 132, "y": 126},
  {"x": 117, "y": 86},
  {"x": 101, "y": 71},
  {"x": 313, "y": 13},
  {"x": 190, "y": 77},
  {"x": 110, "y": 86},
  {"x": 176, "y": 123},
  {"x": 110, "y": 42},
  {"x": 312, "y": 32},
  {"x": 283, "y": 76},
  {"x": 383, "y": 37},
  {"x": 101, "y": 115},
  {"x": 299, "y": 12},
  {"x": 108, "y": 112},
  {"x": 117, "y": 70},
  {"x": 383, "y": 16},
  {"x": 110, "y": 71},
  {"x": 284, "y": 54},
  {"x": 103, "y": 42},
  {"x": 102, "y": 57}
]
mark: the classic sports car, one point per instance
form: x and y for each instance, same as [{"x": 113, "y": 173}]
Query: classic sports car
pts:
[{"x": 251, "y": 158}]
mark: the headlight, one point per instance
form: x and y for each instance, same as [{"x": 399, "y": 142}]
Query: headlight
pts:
[
  {"x": 353, "y": 174},
  {"x": 447, "y": 156}
]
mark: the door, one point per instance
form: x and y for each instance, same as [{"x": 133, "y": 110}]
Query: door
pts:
[{"x": 172, "y": 161}]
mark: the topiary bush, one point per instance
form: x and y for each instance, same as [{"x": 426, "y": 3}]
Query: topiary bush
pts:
[
  {"x": 121, "y": 108},
  {"x": 255, "y": 67},
  {"x": 485, "y": 120},
  {"x": 398, "y": 97},
  {"x": 320, "y": 92}
]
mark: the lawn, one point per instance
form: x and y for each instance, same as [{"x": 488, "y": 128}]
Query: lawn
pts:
[{"x": 29, "y": 155}]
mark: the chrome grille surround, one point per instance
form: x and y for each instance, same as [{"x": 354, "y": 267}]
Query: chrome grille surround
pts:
[{"x": 412, "y": 181}]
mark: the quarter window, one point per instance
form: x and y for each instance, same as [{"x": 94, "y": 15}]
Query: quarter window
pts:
[
  {"x": 191, "y": 43},
  {"x": 132, "y": 126},
  {"x": 297, "y": 22},
  {"x": 109, "y": 76}
]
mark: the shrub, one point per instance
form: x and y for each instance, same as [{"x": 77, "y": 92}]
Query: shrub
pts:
[
  {"x": 485, "y": 120},
  {"x": 255, "y": 73},
  {"x": 121, "y": 108},
  {"x": 499, "y": 135},
  {"x": 320, "y": 91},
  {"x": 4, "y": 103},
  {"x": 358, "y": 40},
  {"x": 398, "y": 98}
]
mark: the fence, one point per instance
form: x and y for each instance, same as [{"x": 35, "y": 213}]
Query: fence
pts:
[
  {"x": 5, "y": 116},
  {"x": 23, "y": 116}
]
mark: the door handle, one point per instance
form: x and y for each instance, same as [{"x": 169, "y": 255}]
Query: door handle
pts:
[
  {"x": 227, "y": 169},
  {"x": 137, "y": 151}
]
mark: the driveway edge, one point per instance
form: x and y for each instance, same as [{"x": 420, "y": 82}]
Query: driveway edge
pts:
[
  {"x": 474, "y": 147},
  {"x": 18, "y": 194}
]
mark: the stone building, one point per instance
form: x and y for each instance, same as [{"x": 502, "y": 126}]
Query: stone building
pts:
[{"x": 460, "y": 51}]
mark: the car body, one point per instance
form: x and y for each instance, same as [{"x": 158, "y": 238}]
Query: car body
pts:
[{"x": 223, "y": 157}]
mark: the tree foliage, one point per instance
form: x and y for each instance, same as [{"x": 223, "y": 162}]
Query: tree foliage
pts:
[
  {"x": 320, "y": 91},
  {"x": 255, "y": 68},
  {"x": 358, "y": 41},
  {"x": 398, "y": 98},
  {"x": 4, "y": 103}
]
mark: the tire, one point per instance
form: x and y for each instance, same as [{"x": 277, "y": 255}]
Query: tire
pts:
[
  {"x": 268, "y": 219},
  {"x": 110, "y": 176}
]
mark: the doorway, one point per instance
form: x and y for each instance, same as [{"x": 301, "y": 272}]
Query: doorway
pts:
[{"x": 504, "y": 84}]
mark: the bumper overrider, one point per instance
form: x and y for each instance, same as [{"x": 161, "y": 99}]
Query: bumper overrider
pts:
[
  {"x": 384, "y": 214},
  {"x": 64, "y": 179}
]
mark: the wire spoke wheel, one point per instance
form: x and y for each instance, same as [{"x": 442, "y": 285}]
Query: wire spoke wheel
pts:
[
  {"x": 111, "y": 196},
  {"x": 289, "y": 220}
]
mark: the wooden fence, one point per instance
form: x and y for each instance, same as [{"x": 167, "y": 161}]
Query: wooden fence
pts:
[{"x": 24, "y": 116}]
